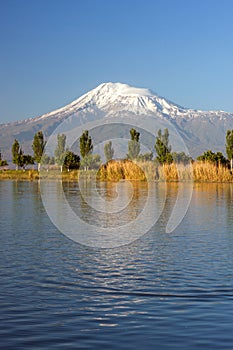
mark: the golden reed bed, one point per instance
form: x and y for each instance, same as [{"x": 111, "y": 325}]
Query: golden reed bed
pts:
[{"x": 142, "y": 171}]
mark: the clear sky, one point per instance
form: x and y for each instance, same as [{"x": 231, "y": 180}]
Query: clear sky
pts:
[{"x": 53, "y": 51}]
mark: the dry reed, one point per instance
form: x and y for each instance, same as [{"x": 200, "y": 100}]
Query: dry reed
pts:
[{"x": 142, "y": 171}]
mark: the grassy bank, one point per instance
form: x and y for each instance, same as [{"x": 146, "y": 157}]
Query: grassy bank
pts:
[
  {"x": 142, "y": 171},
  {"x": 127, "y": 170},
  {"x": 29, "y": 175}
]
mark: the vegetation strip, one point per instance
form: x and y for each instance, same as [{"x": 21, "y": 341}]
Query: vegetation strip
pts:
[
  {"x": 167, "y": 165},
  {"x": 201, "y": 171}
]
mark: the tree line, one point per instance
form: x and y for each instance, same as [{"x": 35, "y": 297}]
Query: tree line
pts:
[
  {"x": 62, "y": 157},
  {"x": 65, "y": 158}
]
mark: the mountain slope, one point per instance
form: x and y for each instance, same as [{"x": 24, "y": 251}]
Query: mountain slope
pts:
[{"x": 201, "y": 130}]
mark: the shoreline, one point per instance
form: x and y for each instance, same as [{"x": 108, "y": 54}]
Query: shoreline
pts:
[{"x": 115, "y": 171}]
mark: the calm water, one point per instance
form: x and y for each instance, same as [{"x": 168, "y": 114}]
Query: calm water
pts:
[{"x": 163, "y": 291}]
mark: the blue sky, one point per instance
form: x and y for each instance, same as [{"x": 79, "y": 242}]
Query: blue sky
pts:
[{"x": 53, "y": 51}]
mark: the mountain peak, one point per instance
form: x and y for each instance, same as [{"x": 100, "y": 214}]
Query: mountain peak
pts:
[
  {"x": 122, "y": 89},
  {"x": 112, "y": 96},
  {"x": 116, "y": 101}
]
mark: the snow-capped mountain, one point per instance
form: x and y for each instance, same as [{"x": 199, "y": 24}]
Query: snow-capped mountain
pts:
[
  {"x": 114, "y": 97},
  {"x": 201, "y": 130}
]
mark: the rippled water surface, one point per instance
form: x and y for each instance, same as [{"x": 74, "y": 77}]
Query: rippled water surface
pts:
[{"x": 163, "y": 291}]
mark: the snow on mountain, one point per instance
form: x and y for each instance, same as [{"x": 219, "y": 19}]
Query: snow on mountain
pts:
[
  {"x": 201, "y": 130},
  {"x": 113, "y": 97}
]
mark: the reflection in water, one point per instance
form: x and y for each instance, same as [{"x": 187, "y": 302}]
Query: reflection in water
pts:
[
  {"x": 229, "y": 202},
  {"x": 165, "y": 291},
  {"x": 92, "y": 219},
  {"x": 130, "y": 198}
]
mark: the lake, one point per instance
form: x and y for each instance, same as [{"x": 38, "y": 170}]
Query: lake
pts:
[{"x": 161, "y": 291}]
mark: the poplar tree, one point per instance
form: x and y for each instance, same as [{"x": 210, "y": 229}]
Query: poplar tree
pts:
[
  {"x": 60, "y": 151},
  {"x": 108, "y": 151},
  {"x": 85, "y": 143},
  {"x": 133, "y": 145},
  {"x": 38, "y": 147},
  {"x": 16, "y": 153},
  {"x": 162, "y": 147},
  {"x": 86, "y": 148},
  {"x": 229, "y": 146}
]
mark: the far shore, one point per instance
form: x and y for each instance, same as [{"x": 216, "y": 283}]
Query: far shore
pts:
[{"x": 127, "y": 170}]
